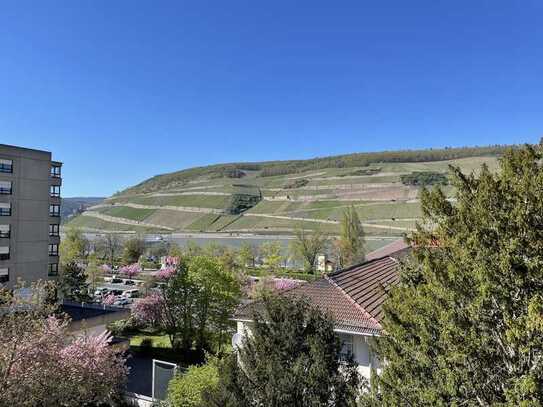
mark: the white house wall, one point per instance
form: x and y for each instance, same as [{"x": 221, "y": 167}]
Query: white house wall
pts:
[{"x": 362, "y": 353}]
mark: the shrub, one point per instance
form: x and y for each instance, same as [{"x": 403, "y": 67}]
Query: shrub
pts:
[{"x": 186, "y": 390}]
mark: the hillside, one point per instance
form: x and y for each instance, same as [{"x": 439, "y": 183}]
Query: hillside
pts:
[
  {"x": 73, "y": 206},
  {"x": 278, "y": 196}
]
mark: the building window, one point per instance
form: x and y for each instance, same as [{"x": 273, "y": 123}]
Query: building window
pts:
[
  {"x": 54, "y": 230},
  {"x": 55, "y": 171},
  {"x": 4, "y": 275},
  {"x": 54, "y": 210},
  {"x": 347, "y": 348},
  {"x": 5, "y": 231},
  {"x": 5, "y": 209},
  {"x": 6, "y": 166},
  {"x": 54, "y": 191},
  {"x": 4, "y": 253},
  {"x": 53, "y": 249},
  {"x": 52, "y": 269},
  {"x": 5, "y": 187}
]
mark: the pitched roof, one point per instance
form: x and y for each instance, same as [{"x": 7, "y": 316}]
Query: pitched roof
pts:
[
  {"x": 353, "y": 296},
  {"x": 397, "y": 249}
]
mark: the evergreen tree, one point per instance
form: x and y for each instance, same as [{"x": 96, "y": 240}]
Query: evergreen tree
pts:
[
  {"x": 351, "y": 244},
  {"x": 73, "y": 283},
  {"x": 291, "y": 358},
  {"x": 465, "y": 324}
]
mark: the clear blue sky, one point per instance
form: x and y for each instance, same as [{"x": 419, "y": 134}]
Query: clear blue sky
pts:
[{"x": 123, "y": 90}]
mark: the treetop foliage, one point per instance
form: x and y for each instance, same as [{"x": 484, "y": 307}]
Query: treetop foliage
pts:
[{"x": 465, "y": 325}]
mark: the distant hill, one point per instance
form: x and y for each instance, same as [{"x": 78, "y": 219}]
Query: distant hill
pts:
[
  {"x": 279, "y": 196},
  {"x": 74, "y": 206}
]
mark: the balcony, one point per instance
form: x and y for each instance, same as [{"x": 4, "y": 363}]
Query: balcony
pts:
[
  {"x": 55, "y": 171},
  {"x": 54, "y": 230},
  {"x": 5, "y": 211},
  {"x": 54, "y": 211},
  {"x": 54, "y": 191},
  {"x": 52, "y": 270}
]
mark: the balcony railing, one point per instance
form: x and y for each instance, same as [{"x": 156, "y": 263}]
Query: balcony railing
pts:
[
  {"x": 4, "y": 256},
  {"x": 5, "y": 234},
  {"x": 5, "y": 211}
]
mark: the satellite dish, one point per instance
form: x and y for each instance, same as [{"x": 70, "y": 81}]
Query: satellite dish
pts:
[{"x": 237, "y": 339}]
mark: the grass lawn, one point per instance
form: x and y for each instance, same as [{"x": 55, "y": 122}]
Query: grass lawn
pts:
[{"x": 158, "y": 341}]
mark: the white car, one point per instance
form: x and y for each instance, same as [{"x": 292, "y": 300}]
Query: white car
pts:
[{"x": 122, "y": 301}]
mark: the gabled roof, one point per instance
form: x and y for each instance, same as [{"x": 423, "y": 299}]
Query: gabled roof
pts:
[
  {"x": 397, "y": 249},
  {"x": 353, "y": 296}
]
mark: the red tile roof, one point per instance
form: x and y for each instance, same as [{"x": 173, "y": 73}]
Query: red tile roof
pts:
[
  {"x": 353, "y": 296},
  {"x": 394, "y": 249}
]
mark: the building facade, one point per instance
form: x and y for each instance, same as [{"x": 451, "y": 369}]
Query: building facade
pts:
[
  {"x": 29, "y": 215},
  {"x": 353, "y": 297}
]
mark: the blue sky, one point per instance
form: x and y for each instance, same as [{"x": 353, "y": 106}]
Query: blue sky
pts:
[{"x": 123, "y": 90}]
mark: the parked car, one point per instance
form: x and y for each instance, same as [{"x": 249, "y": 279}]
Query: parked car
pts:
[
  {"x": 116, "y": 281},
  {"x": 129, "y": 282},
  {"x": 100, "y": 292},
  {"x": 131, "y": 293},
  {"x": 122, "y": 301}
]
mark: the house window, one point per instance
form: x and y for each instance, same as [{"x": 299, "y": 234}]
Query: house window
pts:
[
  {"x": 347, "y": 348},
  {"x": 4, "y": 253},
  {"x": 52, "y": 269},
  {"x": 5, "y": 231},
  {"x": 4, "y": 275},
  {"x": 54, "y": 210},
  {"x": 53, "y": 229},
  {"x": 55, "y": 171},
  {"x": 53, "y": 249},
  {"x": 54, "y": 191},
  {"x": 6, "y": 166},
  {"x": 5, "y": 187}
]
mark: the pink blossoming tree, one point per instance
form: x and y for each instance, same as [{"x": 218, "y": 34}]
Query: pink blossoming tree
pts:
[
  {"x": 131, "y": 270},
  {"x": 148, "y": 311},
  {"x": 43, "y": 364}
]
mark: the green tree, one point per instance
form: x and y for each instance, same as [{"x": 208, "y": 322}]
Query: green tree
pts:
[
  {"x": 465, "y": 324},
  {"x": 72, "y": 246},
  {"x": 110, "y": 247},
  {"x": 73, "y": 283},
  {"x": 133, "y": 249},
  {"x": 246, "y": 255},
  {"x": 93, "y": 272},
  {"x": 290, "y": 359},
  {"x": 217, "y": 296},
  {"x": 187, "y": 389},
  {"x": 351, "y": 244},
  {"x": 199, "y": 299},
  {"x": 272, "y": 254},
  {"x": 307, "y": 246}
]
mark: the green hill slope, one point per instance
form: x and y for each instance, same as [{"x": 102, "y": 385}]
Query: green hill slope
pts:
[{"x": 278, "y": 196}]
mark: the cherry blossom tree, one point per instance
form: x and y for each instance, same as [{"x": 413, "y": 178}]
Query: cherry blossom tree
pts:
[
  {"x": 106, "y": 269},
  {"x": 43, "y": 364},
  {"x": 131, "y": 270},
  {"x": 148, "y": 310},
  {"x": 109, "y": 299},
  {"x": 165, "y": 273}
]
